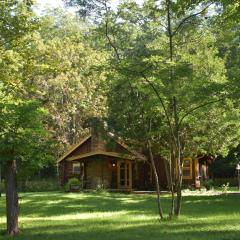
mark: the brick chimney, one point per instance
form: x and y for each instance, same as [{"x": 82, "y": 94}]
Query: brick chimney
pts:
[{"x": 97, "y": 131}]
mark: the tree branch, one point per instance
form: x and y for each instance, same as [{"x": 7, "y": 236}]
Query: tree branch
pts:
[
  {"x": 107, "y": 34},
  {"x": 162, "y": 103},
  {"x": 142, "y": 74},
  {"x": 195, "y": 108},
  {"x": 189, "y": 17}
]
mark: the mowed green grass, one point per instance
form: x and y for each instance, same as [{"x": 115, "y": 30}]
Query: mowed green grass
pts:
[{"x": 106, "y": 216}]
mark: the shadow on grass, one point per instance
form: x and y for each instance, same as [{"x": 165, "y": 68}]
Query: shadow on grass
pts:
[
  {"x": 51, "y": 204},
  {"x": 58, "y": 216},
  {"x": 113, "y": 229}
]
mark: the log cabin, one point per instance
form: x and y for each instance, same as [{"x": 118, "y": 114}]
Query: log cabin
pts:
[{"x": 101, "y": 159}]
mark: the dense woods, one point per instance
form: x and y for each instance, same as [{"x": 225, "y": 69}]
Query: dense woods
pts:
[{"x": 163, "y": 74}]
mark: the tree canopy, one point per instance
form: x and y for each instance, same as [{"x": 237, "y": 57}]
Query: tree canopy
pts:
[{"x": 164, "y": 74}]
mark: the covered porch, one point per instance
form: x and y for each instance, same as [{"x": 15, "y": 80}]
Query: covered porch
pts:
[{"x": 112, "y": 171}]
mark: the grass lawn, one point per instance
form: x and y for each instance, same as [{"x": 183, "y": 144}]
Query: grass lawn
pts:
[{"x": 90, "y": 216}]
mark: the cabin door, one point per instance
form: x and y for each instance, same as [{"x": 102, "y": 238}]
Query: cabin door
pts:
[{"x": 124, "y": 175}]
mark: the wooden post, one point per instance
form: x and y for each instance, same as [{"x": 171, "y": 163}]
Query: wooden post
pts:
[
  {"x": 118, "y": 174},
  {"x": 136, "y": 173},
  {"x": 238, "y": 171},
  {"x": 130, "y": 175},
  {"x": 102, "y": 174},
  {"x": 238, "y": 180}
]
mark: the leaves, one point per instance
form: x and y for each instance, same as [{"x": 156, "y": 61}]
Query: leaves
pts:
[{"x": 196, "y": 77}]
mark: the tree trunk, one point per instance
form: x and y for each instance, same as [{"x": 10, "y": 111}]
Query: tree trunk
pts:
[
  {"x": 178, "y": 157},
  {"x": 179, "y": 186},
  {"x": 169, "y": 30},
  {"x": 174, "y": 142},
  {"x": 156, "y": 180},
  {"x": 12, "y": 198},
  {"x": 173, "y": 180},
  {"x": 170, "y": 184},
  {"x": 179, "y": 200}
]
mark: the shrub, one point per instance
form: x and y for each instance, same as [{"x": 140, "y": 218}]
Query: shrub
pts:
[
  {"x": 100, "y": 188},
  {"x": 72, "y": 184},
  {"x": 208, "y": 184},
  {"x": 225, "y": 188},
  {"x": 40, "y": 185},
  {"x": 45, "y": 185},
  {"x": 225, "y": 167},
  {"x": 218, "y": 182},
  {"x": 188, "y": 187}
]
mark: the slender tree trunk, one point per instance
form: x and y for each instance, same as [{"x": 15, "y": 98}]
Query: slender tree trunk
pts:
[
  {"x": 156, "y": 181},
  {"x": 179, "y": 200},
  {"x": 179, "y": 163},
  {"x": 169, "y": 29},
  {"x": 168, "y": 170},
  {"x": 179, "y": 189},
  {"x": 12, "y": 198},
  {"x": 175, "y": 145},
  {"x": 172, "y": 190}
]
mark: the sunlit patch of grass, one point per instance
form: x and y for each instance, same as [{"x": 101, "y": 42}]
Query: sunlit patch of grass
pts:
[
  {"x": 86, "y": 216},
  {"x": 77, "y": 216}
]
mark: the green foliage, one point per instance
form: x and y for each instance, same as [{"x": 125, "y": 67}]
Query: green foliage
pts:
[
  {"x": 17, "y": 19},
  {"x": 89, "y": 8},
  {"x": 46, "y": 61},
  {"x": 37, "y": 185},
  {"x": 218, "y": 182},
  {"x": 225, "y": 166},
  {"x": 229, "y": 11},
  {"x": 23, "y": 133},
  {"x": 24, "y": 138},
  {"x": 72, "y": 184},
  {"x": 41, "y": 185},
  {"x": 196, "y": 78},
  {"x": 187, "y": 187},
  {"x": 208, "y": 184},
  {"x": 225, "y": 188},
  {"x": 22, "y": 130},
  {"x": 70, "y": 76}
]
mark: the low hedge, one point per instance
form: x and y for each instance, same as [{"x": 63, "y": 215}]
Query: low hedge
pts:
[
  {"x": 43, "y": 185},
  {"x": 218, "y": 182}
]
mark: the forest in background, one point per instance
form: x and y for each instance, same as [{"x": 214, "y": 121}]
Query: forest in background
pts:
[
  {"x": 164, "y": 75},
  {"x": 65, "y": 66}
]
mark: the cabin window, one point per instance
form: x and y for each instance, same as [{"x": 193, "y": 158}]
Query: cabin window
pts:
[
  {"x": 76, "y": 168},
  {"x": 187, "y": 168}
]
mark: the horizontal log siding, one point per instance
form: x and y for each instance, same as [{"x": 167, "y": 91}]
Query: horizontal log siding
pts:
[
  {"x": 162, "y": 177},
  {"x": 61, "y": 170},
  {"x": 84, "y": 148}
]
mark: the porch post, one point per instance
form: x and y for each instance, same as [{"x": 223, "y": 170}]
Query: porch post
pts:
[{"x": 136, "y": 174}]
